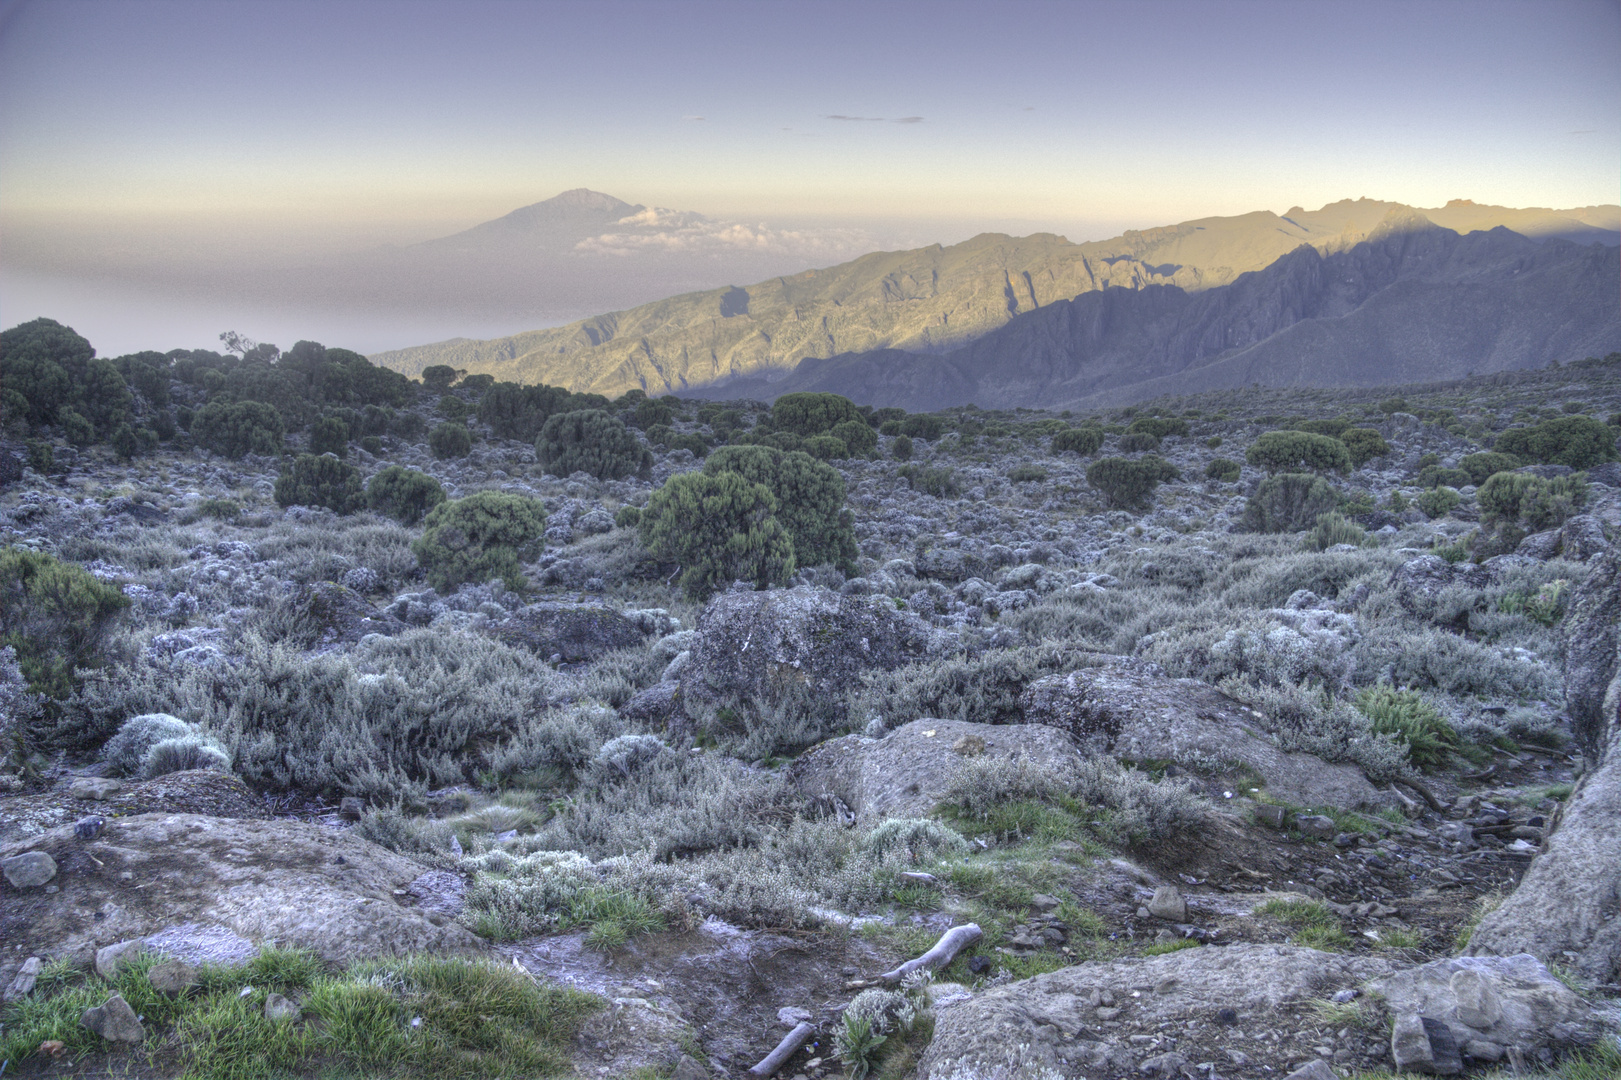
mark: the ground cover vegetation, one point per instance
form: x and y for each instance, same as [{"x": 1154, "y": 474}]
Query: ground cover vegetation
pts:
[{"x": 504, "y": 654}]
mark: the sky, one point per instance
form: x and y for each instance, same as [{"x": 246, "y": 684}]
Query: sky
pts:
[{"x": 136, "y": 136}]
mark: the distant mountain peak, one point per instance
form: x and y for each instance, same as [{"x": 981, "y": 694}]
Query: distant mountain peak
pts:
[{"x": 584, "y": 199}]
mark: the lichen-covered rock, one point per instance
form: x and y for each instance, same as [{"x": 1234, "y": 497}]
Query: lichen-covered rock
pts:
[
  {"x": 577, "y": 632},
  {"x": 1130, "y": 709},
  {"x": 330, "y": 614},
  {"x": 767, "y": 646},
  {"x": 906, "y": 773},
  {"x": 1582, "y": 537},
  {"x": 1592, "y": 632}
]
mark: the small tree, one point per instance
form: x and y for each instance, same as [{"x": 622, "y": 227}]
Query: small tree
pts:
[
  {"x": 1082, "y": 440},
  {"x": 590, "y": 440},
  {"x": 1127, "y": 483},
  {"x": 721, "y": 528},
  {"x": 1482, "y": 465},
  {"x": 320, "y": 480},
  {"x": 901, "y": 450},
  {"x": 1363, "y": 444},
  {"x": 1224, "y": 470},
  {"x": 858, "y": 437},
  {"x": 480, "y": 537},
  {"x": 450, "y": 441},
  {"x": 55, "y": 615},
  {"x": 236, "y": 429},
  {"x": 439, "y": 377},
  {"x": 1289, "y": 502},
  {"x": 807, "y": 414},
  {"x": 403, "y": 494},
  {"x": 329, "y": 435},
  {"x": 1506, "y": 498},
  {"x": 1578, "y": 441},
  {"x": 809, "y": 494},
  {"x": 1158, "y": 426},
  {"x": 1295, "y": 451}
]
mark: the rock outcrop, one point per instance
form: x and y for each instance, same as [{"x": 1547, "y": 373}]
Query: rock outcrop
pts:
[{"x": 576, "y": 632}]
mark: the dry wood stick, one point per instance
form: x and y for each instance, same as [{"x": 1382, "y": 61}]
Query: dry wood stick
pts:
[
  {"x": 950, "y": 944},
  {"x": 785, "y": 1050}
]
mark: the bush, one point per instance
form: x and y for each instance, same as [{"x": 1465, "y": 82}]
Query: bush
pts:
[
  {"x": 940, "y": 481},
  {"x": 329, "y": 435},
  {"x": 1439, "y": 501},
  {"x": 55, "y": 615},
  {"x": 1577, "y": 441},
  {"x": 1158, "y": 426},
  {"x": 105, "y": 398},
  {"x": 1223, "y": 469},
  {"x": 124, "y": 442},
  {"x": 1332, "y": 428},
  {"x": 1289, "y": 502},
  {"x": 857, "y": 435},
  {"x": 450, "y": 441},
  {"x": 628, "y": 517},
  {"x": 43, "y": 364},
  {"x": 1414, "y": 722},
  {"x": 480, "y": 537},
  {"x": 1481, "y": 466},
  {"x": 810, "y": 500},
  {"x": 236, "y": 429},
  {"x": 1126, "y": 483},
  {"x": 721, "y": 527},
  {"x": 925, "y": 426},
  {"x": 439, "y": 377},
  {"x": 321, "y": 481},
  {"x": 519, "y": 412},
  {"x": 453, "y": 408},
  {"x": 1027, "y": 474},
  {"x": 901, "y": 449},
  {"x": 1293, "y": 451},
  {"x": 1432, "y": 476},
  {"x": 807, "y": 414},
  {"x": 1364, "y": 444},
  {"x": 1331, "y": 529},
  {"x": 1539, "y": 503},
  {"x": 826, "y": 448},
  {"x": 126, "y": 750},
  {"x": 75, "y": 428},
  {"x": 1137, "y": 441},
  {"x": 403, "y": 494},
  {"x": 1082, "y": 440},
  {"x": 592, "y": 441}
]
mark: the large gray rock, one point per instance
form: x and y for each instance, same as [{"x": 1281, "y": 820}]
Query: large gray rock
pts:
[
  {"x": 906, "y": 773},
  {"x": 328, "y": 614},
  {"x": 114, "y": 1021},
  {"x": 1592, "y": 633},
  {"x": 248, "y": 881},
  {"x": 1509, "y": 1001},
  {"x": 1582, "y": 537},
  {"x": 1024, "y": 1027},
  {"x": 768, "y": 647},
  {"x": 577, "y": 632},
  {"x": 28, "y": 870},
  {"x": 1130, "y": 709}
]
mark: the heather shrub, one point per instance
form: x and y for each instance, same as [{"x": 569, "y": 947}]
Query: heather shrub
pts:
[
  {"x": 329, "y": 435},
  {"x": 236, "y": 429},
  {"x": 1027, "y": 474},
  {"x": 1289, "y": 502},
  {"x": 1577, "y": 441},
  {"x": 901, "y": 448},
  {"x": 403, "y": 494},
  {"x": 1082, "y": 440},
  {"x": 826, "y": 448},
  {"x": 1412, "y": 721},
  {"x": 1133, "y": 442},
  {"x": 321, "y": 481},
  {"x": 1223, "y": 470},
  {"x": 126, "y": 750},
  {"x": 1482, "y": 465},
  {"x": 519, "y": 412},
  {"x": 1126, "y": 483},
  {"x": 720, "y": 528},
  {"x": 480, "y": 537},
  {"x": 981, "y": 689},
  {"x": 1363, "y": 444},
  {"x": 43, "y": 364},
  {"x": 184, "y": 753},
  {"x": 1332, "y": 529},
  {"x": 807, "y": 414},
  {"x": 1158, "y": 426},
  {"x": 1294, "y": 451},
  {"x": 450, "y": 441},
  {"x": 55, "y": 615},
  {"x": 917, "y": 838},
  {"x": 1538, "y": 503},
  {"x": 858, "y": 437},
  {"x": 809, "y": 495},
  {"x": 592, "y": 441},
  {"x": 1438, "y": 501},
  {"x": 938, "y": 481}
]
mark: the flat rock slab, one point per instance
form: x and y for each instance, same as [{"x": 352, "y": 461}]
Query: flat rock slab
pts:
[
  {"x": 196, "y": 791},
  {"x": 1131, "y": 710},
  {"x": 906, "y": 773},
  {"x": 1024, "y": 1027},
  {"x": 288, "y": 881}
]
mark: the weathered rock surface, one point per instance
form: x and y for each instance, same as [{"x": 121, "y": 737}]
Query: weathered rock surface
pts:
[
  {"x": 1567, "y": 907},
  {"x": 906, "y": 773},
  {"x": 765, "y": 647},
  {"x": 1507, "y": 1000},
  {"x": 1131, "y": 709},
  {"x": 330, "y": 614},
  {"x": 1026, "y": 1027},
  {"x": 29, "y": 870},
  {"x": 114, "y": 1021},
  {"x": 578, "y": 632},
  {"x": 295, "y": 883},
  {"x": 194, "y": 791}
]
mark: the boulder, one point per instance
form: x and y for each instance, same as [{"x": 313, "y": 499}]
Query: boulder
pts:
[
  {"x": 657, "y": 707},
  {"x": 193, "y": 791},
  {"x": 906, "y": 773},
  {"x": 177, "y": 880},
  {"x": 1131, "y": 709},
  {"x": 1418, "y": 582},
  {"x": 1582, "y": 537},
  {"x": 577, "y": 632},
  {"x": 1540, "y": 546},
  {"x": 1509, "y": 1001},
  {"x": 1592, "y": 633},
  {"x": 329, "y": 614},
  {"x": 1024, "y": 1027},
  {"x": 768, "y": 647},
  {"x": 951, "y": 564},
  {"x": 29, "y": 870},
  {"x": 110, "y": 959}
]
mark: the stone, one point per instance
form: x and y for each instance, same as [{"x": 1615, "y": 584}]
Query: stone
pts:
[
  {"x": 1483, "y": 1050},
  {"x": 790, "y": 1016},
  {"x": 1169, "y": 1063},
  {"x": 94, "y": 787},
  {"x": 1478, "y": 1005},
  {"x": 88, "y": 828},
  {"x": 1316, "y": 825},
  {"x": 1043, "y": 902},
  {"x": 1129, "y": 708},
  {"x": 688, "y": 1069},
  {"x": 1168, "y": 904},
  {"x": 114, "y": 1021},
  {"x": 1512, "y": 1000},
  {"x": 29, "y": 870},
  {"x": 577, "y": 632},
  {"x": 331, "y": 614},
  {"x": 1313, "y": 1070},
  {"x": 1582, "y": 537},
  {"x": 1269, "y": 815},
  {"x": 22, "y": 984},
  {"x": 351, "y": 808},
  {"x": 279, "y": 1009},
  {"x": 110, "y": 958},
  {"x": 659, "y": 707},
  {"x": 172, "y": 977}
]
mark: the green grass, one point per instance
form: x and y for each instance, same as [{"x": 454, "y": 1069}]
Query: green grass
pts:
[
  {"x": 1400, "y": 939},
  {"x": 471, "y": 1018},
  {"x": 1323, "y": 938},
  {"x": 1314, "y": 925},
  {"x": 1162, "y": 947}
]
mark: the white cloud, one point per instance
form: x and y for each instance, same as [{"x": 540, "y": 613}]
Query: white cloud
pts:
[{"x": 658, "y": 230}]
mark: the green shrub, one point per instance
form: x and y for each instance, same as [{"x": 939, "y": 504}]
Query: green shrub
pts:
[
  {"x": 480, "y": 537},
  {"x": 1134, "y": 442},
  {"x": 810, "y": 500},
  {"x": 403, "y": 494},
  {"x": 1332, "y": 428},
  {"x": 43, "y": 365},
  {"x": 857, "y": 435},
  {"x": 1158, "y": 426},
  {"x": 1438, "y": 502},
  {"x": 1538, "y": 503},
  {"x": 720, "y": 527},
  {"x": 1577, "y": 441},
  {"x": 1295, "y": 451},
  {"x": 519, "y": 412},
  {"x": 628, "y": 517},
  {"x": 1027, "y": 474},
  {"x": 697, "y": 444},
  {"x": 1482, "y": 465},
  {"x": 1223, "y": 469},
  {"x": 807, "y": 414},
  {"x": 77, "y": 430},
  {"x": 1428, "y": 738},
  {"x": 1392, "y": 405},
  {"x": 439, "y": 377},
  {"x": 219, "y": 509},
  {"x": 939, "y": 481},
  {"x": 372, "y": 444},
  {"x": 1432, "y": 476},
  {"x": 1126, "y": 483},
  {"x": 1544, "y": 606},
  {"x": 236, "y": 429},
  {"x": 450, "y": 441},
  {"x": 321, "y": 481},
  {"x": 925, "y": 426},
  {"x": 592, "y": 441},
  {"x": 329, "y": 435},
  {"x": 901, "y": 449},
  {"x": 1363, "y": 444},
  {"x": 453, "y": 408},
  {"x": 105, "y": 398},
  {"x": 826, "y": 448},
  {"x": 55, "y": 615},
  {"x": 124, "y": 442},
  {"x": 1289, "y": 502},
  {"x": 1332, "y": 528},
  {"x": 647, "y": 412}
]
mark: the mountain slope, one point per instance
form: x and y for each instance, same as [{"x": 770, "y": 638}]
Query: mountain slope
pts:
[{"x": 931, "y": 300}]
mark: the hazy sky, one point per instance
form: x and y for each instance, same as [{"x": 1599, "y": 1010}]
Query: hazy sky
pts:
[{"x": 326, "y": 125}]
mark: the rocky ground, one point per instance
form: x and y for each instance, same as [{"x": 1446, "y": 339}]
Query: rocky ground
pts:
[{"x": 1261, "y": 891}]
